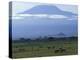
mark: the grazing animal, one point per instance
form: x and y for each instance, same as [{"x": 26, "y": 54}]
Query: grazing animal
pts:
[
  {"x": 56, "y": 51},
  {"x": 48, "y": 47},
  {"x": 62, "y": 50}
]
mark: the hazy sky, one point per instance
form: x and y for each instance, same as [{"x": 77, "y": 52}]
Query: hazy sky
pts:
[{"x": 28, "y": 25}]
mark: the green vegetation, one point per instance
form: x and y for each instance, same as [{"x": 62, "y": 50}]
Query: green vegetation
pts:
[{"x": 44, "y": 47}]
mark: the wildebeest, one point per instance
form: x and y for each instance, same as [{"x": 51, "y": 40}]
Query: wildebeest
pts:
[
  {"x": 60, "y": 50},
  {"x": 56, "y": 51}
]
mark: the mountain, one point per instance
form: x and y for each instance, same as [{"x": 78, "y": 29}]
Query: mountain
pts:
[
  {"x": 60, "y": 34},
  {"x": 48, "y": 9}
]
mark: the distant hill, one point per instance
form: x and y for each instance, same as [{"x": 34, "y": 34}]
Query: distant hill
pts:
[{"x": 60, "y": 35}]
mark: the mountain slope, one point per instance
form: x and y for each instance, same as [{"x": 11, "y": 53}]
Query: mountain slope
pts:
[{"x": 48, "y": 9}]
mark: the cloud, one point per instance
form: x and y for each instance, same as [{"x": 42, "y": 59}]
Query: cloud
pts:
[
  {"x": 22, "y": 16},
  {"x": 32, "y": 15},
  {"x": 16, "y": 17},
  {"x": 43, "y": 16},
  {"x": 57, "y": 16}
]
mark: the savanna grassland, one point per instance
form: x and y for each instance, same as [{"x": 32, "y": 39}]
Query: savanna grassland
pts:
[{"x": 24, "y": 48}]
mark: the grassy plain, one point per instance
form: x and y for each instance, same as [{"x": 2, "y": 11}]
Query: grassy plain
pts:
[{"x": 39, "y": 48}]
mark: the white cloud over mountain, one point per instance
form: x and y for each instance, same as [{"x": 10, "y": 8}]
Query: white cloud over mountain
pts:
[{"x": 19, "y": 16}]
